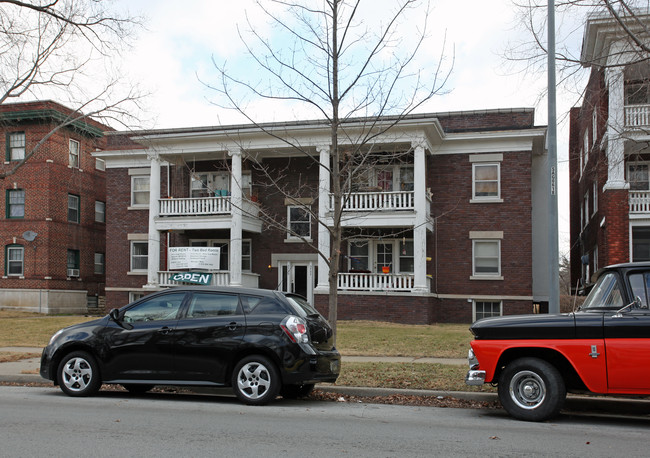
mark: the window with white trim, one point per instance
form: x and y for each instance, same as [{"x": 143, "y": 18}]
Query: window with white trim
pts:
[
  {"x": 586, "y": 200},
  {"x": 486, "y": 258},
  {"x": 585, "y": 148},
  {"x": 139, "y": 256},
  {"x": 366, "y": 256},
  {"x": 140, "y": 190},
  {"x": 595, "y": 191},
  {"x": 485, "y": 309},
  {"x": 298, "y": 223},
  {"x": 637, "y": 176},
  {"x": 358, "y": 256},
  {"x": 486, "y": 181},
  {"x": 15, "y": 256},
  {"x": 74, "y": 153},
  {"x": 73, "y": 208},
  {"x": 16, "y": 146},
  {"x": 594, "y": 125}
]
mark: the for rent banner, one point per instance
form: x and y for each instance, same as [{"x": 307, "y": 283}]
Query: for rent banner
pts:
[{"x": 203, "y": 258}]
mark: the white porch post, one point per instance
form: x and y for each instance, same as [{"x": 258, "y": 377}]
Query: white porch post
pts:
[
  {"x": 323, "y": 207},
  {"x": 236, "y": 228},
  {"x": 615, "y": 125},
  {"x": 153, "y": 257},
  {"x": 420, "y": 229}
]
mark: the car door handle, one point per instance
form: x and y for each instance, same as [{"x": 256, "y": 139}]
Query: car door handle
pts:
[
  {"x": 233, "y": 325},
  {"x": 165, "y": 330}
]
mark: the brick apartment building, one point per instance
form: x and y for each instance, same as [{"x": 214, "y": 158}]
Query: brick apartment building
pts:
[
  {"x": 53, "y": 211},
  {"x": 453, "y": 231},
  {"x": 608, "y": 152}
]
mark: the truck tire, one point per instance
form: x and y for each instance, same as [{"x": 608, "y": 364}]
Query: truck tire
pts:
[{"x": 531, "y": 389}]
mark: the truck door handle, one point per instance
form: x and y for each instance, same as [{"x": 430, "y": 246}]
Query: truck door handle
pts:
[
  {"x": 233, "y": 325},
  {"x": 165, "y": 330}
]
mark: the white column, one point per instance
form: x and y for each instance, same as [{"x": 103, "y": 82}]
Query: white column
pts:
[
  {"x": 420, "y": 229},
  {"x": 236, "y": 227},
  {"x": 153, "y": 257},
  {"x": 323, "y": 208},
  {"x": 615, "y": 126}
]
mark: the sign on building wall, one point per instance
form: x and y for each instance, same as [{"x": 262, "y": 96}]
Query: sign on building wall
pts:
[{"x": 204, "y": 258}]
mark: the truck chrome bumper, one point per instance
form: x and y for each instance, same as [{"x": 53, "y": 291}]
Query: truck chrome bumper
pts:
[{"x": 475, "y": 377}]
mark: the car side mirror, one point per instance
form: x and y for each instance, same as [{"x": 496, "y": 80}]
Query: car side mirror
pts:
[{"x": 115, "y": 315}]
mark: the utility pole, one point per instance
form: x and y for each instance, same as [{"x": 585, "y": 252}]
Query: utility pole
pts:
[{"x": 553, "y": 245}]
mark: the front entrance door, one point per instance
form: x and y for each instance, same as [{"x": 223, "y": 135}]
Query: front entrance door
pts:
[{"x": 298, "y": 278}]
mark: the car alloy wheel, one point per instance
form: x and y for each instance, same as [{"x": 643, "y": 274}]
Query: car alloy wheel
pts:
[
  {"x": 78, "y": 374},
  {"x": 255, "y": 380}
]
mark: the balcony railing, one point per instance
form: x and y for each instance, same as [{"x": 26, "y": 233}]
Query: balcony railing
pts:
[
  {"x": 637, "y": 115},
  {"x": 378, "y": 200},
  {"x": 219, "y": 278},
  {"x": 375, "y": 282},
  {"x": 639, "y": 201},
  {"x": 196, "y": 206}
]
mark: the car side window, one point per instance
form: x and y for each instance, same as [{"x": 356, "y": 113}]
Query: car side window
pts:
[
  {"x": 157, "y": 308},
  {"x": 254, "y": 305},
  {"x": 207, "y": 305},
  {"x": 640, "y": 284}
]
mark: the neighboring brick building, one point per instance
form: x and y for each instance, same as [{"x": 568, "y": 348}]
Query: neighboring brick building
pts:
[
  {"x": 53, "y": 211},
  {"x": 608, "y": 157},
  {"x": 453, "y": 230}
]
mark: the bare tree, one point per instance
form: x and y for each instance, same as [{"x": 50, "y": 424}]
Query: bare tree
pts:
[
  {"x": 60, "y": 49},
  {"x": 360, "y": 80}
]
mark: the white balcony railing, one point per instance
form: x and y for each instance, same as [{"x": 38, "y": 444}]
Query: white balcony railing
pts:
[
  {"x": 379, "y": 200},
  {"x": 219, "y": 278},
  {"x": 639, "y": 201},
  {"x": 637, "y": 115},
  {"x": 196, "y": 206},
  {"x": 375, "y": 282}
]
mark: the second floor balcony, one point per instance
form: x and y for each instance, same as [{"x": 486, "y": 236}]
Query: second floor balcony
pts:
[
  {"x": 639, "y": 202},
  {"x": 637, "y": 115},
  {"x": 206, "y": 212}
]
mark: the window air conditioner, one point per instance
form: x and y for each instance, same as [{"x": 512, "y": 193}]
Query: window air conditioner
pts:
[{"x": 73, "y": 272}]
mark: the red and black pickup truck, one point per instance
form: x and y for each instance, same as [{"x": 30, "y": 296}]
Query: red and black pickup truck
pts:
[{"x": 603, "y": 347}]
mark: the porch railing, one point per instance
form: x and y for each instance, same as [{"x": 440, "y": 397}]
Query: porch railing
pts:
[
  {"x": 378, "y": 200},
  {"x": 375, "y": 282},
  {"x": 193, "y": 206},
  {"x": 219, "y": 278},
  {"x": 639, "y": 201},
  {"x": 637, "y": 115}
]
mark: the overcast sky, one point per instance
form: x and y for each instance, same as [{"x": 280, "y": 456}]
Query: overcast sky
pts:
[{"x": 182, "y": 39}]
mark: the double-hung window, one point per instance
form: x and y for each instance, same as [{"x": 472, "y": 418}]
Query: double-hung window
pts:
[
  {"x": 298, "y": 222},
  {"x": 15, "y": 256},
  {"x": 486, "y": 255},
  {"x": 16, "y": 146},
  {"x": 486, "y": 183},
  {"x": 139, "y": 256},
  {"x": 74, "y": 153},
  {"x": 73, "y": 208},
  {"x": 100, "y": 262},
  {"x": 140, "y": 190},
  {"x": 15, "y": 203},
  {"x": 100, "y": 211},
  {"x": 637, "y": 175},
  {"x": 73, "y": 262}
]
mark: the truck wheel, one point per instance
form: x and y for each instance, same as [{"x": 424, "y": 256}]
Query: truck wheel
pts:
[{"x": 531, "y": 389}]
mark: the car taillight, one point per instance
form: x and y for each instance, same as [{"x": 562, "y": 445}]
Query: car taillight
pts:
[{"x": 296, "y": 328}]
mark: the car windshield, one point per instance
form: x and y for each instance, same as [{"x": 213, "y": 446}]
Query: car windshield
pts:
[{"x": 606, "y": 294}]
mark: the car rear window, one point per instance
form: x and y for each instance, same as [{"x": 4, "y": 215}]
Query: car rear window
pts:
[
  {"x": 254, "y": 305},
  {"x": 303, "y": 307}
]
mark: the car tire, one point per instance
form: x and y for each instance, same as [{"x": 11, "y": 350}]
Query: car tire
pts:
[
  {"x": 255, "y": 380},
  {"x": 78, "y": 374},
  {"x": 137, "y": 388},
  {"x": 531, "y": 389},
  {"x": 296, "y": 391}
]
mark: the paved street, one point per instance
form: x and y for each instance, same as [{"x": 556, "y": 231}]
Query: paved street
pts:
[{"x": 38, "y": 421}]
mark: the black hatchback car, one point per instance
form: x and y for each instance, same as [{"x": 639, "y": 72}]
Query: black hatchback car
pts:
[{"x": 260, "y": 342}]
